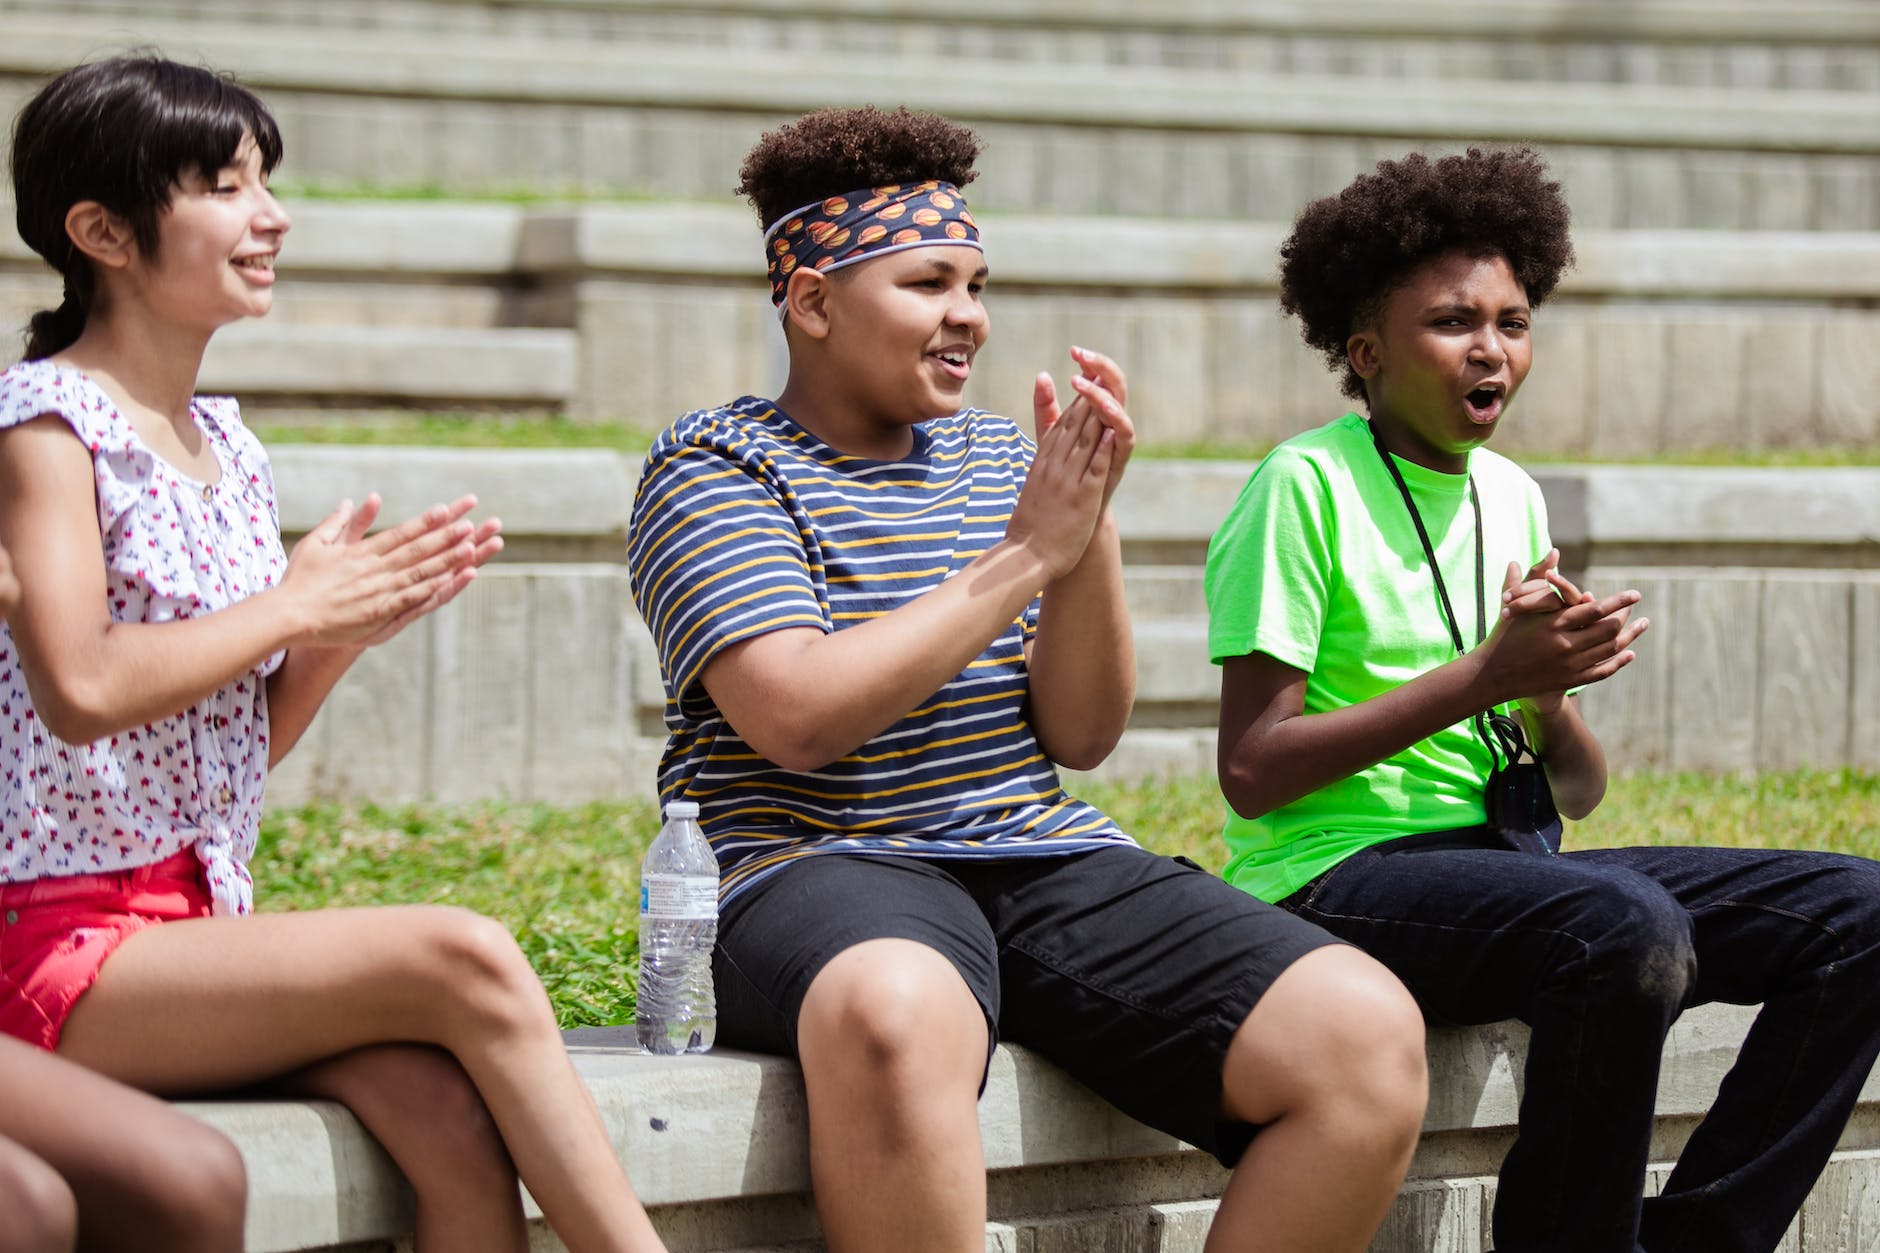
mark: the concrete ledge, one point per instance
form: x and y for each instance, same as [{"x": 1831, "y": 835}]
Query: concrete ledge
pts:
[
  {"x": 1674, "y": 505},
  {"x": 355, "y": 239},
  {"x": 703, "y": 1136},
  {"x": 539, "y": 493},
  {"x": 471, "y": 241},
  {"x": 1803, "y": 21},
  {"x": 541, "y": 683},
  {"x": 1710, "y": 21},
  {"x": 715, "y": 240},
  {"x": 1831, "y": 516},
  {"x": 408, "y": 364},
  {"x": 599, "y": 311}
]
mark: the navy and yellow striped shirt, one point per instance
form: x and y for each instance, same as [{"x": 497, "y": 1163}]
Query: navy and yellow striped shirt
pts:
[{"x": 745, "y": 523}]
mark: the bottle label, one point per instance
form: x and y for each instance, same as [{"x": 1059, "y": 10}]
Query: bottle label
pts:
[{"x": 678, "y": 896}]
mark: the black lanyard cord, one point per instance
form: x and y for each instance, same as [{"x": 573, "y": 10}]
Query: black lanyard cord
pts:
[{"x": 1436, "y": 571}]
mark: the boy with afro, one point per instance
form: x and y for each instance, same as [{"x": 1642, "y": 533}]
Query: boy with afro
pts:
[
  {"x": 1391, "y": 621},
  {"x": 881, "y": 619}
]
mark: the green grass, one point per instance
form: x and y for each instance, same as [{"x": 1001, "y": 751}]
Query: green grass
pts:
[
  {"x": 565, "y": 880},
  {"x": 1826, "y": 810}
]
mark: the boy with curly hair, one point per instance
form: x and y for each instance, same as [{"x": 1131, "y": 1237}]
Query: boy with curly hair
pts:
[
  {"x": 1372, "y": 698},
  {"x": 881, "y": 619}
]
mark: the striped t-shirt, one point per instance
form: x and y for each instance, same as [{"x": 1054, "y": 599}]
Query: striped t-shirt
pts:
[{"x": 744, "y": 523}]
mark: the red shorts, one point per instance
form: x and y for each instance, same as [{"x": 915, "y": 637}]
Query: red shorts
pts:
[{"x": 56, "y": 932}]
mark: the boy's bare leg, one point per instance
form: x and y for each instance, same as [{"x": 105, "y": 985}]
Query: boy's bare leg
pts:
[
  {"x": 893, "y": 1045},
  {"x": 1331, "y": 1063}
]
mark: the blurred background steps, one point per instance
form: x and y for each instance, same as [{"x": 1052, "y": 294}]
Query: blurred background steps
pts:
[
  {"x": 1807, "y": 44},
  {"x": 475, "y": 112},
  {"x": 1659, "y": 344},
  {"x": 1722, "y": 159},
  {"x": 526, "y": 207}
]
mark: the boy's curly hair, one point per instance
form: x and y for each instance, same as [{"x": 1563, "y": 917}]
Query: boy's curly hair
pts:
[
  {"x": 1348, "y": 252},
  {"x": 832, "y": 151}
]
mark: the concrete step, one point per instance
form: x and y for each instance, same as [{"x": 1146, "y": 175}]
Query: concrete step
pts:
[
  {"x": 1765, "y": 333},
  {"x": 1734, "y": 43},
  {"x": 541, "y": 683},
  {"x": 1160, "y": 592},
  {"x": 481, "y": 112},
  {"x": 272, "y": 365}
]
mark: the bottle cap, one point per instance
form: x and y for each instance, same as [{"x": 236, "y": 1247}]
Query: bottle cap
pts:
[{"x": 682, "y": 809}]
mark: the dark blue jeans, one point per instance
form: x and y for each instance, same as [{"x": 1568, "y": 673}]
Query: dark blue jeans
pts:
[{"x": 1598, "y": 952}]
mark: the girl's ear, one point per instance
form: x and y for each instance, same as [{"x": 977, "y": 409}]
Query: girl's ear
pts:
[
  {"x": 806, "y": 297},
  {"x": 100, "y": 234},
  {"x": 1361, "y": 350}
]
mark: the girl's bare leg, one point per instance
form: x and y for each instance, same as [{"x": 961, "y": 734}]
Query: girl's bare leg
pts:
[
  {"x": 208, "y": 1004},
  {"x": 42, "y": 1214},
  {"x": 139, "y": 1175},
  {"x": 421, "y": 1106}
]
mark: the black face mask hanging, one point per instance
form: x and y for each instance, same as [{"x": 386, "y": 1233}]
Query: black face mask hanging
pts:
[{"x": 1517, "y": 798}]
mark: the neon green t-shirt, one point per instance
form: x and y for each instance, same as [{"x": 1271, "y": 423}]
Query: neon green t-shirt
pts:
[{"x": 1318, "y": 565}]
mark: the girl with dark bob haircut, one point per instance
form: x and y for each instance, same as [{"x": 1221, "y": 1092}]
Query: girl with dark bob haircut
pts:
[
  {"x": 165, "y": 652},
  {"x": 1382, "y": 705}
]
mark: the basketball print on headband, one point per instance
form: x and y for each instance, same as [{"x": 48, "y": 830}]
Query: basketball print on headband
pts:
[{"x": 842, "y": 230}]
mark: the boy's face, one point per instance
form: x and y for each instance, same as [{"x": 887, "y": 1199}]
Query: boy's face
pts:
[
  {"x": 1445, "y": 358},
  {"x": 903, "y": 330}
]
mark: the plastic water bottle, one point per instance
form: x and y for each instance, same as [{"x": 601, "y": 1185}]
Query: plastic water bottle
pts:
[{"x": 678, "y": 1009}]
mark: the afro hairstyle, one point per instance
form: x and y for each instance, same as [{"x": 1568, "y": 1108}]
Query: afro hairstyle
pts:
[
  {"x": 832, "y": 151},
  {"x": 1348, "y": 252}
]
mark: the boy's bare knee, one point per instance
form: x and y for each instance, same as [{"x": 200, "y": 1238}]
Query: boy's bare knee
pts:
[
  {"x": 1338, "y": 1037},
  {"x": 1379, "y": 1036},
  {"x": 896, "y": 1012},
  {"x": 41, "y": 1213}
]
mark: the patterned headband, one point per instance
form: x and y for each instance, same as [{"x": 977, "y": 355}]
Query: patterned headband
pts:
[{"x": 845, "y": 229}]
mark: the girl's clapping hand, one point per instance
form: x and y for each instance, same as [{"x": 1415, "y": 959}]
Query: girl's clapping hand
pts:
[
  {"x": 9, "y": 584},
  {"x": 348, "y": 587}
]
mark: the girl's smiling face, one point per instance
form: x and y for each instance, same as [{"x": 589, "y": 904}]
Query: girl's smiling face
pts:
[
  {"x": 217, "y": 241},
  {"x": 1447, "y": 352}
]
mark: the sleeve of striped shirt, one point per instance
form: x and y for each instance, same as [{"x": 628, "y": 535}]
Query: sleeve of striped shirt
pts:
[{"x": 714, "y": 557}]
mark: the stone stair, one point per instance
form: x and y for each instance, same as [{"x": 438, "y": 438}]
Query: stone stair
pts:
[
  {"x": 1808, "y": 44},
  {"x": 480, "y": 112},
  {"x": 1723, "y": 160}
]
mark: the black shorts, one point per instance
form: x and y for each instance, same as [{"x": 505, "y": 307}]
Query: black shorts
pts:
[{"x": 1129, "y": 970}]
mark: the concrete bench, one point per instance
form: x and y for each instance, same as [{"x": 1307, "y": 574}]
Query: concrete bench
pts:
[
  {"x": 469, "y": 111},
  {"x": 716, "y": 1148}
]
